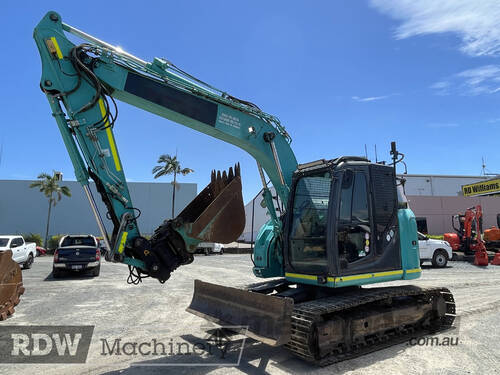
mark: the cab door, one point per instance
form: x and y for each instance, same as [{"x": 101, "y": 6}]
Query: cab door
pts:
[
  {"x": 308, "y": 226},
  {"x": 17, "y": 248},
  {"x": 366, "y": 226},
  {"x": 423, "y": 247}
]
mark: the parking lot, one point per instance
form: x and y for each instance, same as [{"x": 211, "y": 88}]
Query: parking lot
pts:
[{"x": 140, "y": 313}]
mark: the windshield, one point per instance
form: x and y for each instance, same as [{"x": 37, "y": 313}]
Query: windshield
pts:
[
  {"x": 3, "y": 241},
  {"x": 78, "y": 241}
]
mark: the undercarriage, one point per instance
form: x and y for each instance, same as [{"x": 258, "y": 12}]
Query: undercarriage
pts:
[{"x": 323, "y": 325}]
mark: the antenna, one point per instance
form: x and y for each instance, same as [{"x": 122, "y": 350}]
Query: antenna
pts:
[
  {"x": 484, "y": 170},
  {"x": 366, "y": 152},
  {"x": 376, "y": 158}
]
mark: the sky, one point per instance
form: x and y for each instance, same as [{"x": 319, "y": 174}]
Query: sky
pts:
[{"x": 339, "y": 74}]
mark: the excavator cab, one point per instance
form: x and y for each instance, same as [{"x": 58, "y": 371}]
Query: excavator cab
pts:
[
  {"x": 342, "y": 220},
  {"x": 342, "y": 228}
]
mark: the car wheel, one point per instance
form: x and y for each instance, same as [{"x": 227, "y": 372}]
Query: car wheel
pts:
[
  {"x": 29, "y": 262},
  {"x": 440, "y": 259},
  {"x": 207, "y": 252},
  {"x": 56, "y": 274},
  {"x": 96, "y": 271},
  {"x": 221, "y": 251}
]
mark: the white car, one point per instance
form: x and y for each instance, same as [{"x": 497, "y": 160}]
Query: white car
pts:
[
  {"x": 23, "y": 253},
  {"x": 436, "y": 251},
  {"x": 208, "y": 248}
]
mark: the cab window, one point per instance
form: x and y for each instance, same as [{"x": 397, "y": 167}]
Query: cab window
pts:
[
  {"x": 353, "y": 223},
  {"x": 307, "y": 236}
]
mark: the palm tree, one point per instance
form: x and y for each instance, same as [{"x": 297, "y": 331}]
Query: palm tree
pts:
[
  {"x": 49, "y": 185},
  {"x": 169, "y": 165}
]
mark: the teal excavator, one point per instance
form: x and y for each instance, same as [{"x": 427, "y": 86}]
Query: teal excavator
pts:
[{"x": 334, "y": 225}]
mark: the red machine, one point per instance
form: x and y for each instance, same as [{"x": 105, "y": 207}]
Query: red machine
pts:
[{"x": 468, "y": 235}]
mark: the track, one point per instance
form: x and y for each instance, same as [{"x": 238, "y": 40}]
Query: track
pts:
[{"x": 308, "y": 322}]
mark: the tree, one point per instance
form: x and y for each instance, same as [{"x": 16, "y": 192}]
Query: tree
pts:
[
  {"x": 49, "y": 186},
  {"x": 170, "y": 165}
]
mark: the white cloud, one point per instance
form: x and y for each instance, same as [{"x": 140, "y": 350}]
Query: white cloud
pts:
[
  {"x": 481, "y": 80},
  {"x": 369, "y": 98},
  {"x": 477, "y": 22}
]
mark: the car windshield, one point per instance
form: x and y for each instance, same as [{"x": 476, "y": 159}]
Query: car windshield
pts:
[
  {"x": 3, "y": 241},
  {"x": 421, "y": 237},
  {"x": 78, "y": 241}
]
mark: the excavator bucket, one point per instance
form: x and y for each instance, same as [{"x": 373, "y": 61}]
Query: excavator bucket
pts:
[
  {"x": 263, "y": 317},
  {"x": 496, "y": 260},
  {"x": 481, "y": 258},
  {"x": 217, "y": 214},
  {"x": 11, "y": 284}
]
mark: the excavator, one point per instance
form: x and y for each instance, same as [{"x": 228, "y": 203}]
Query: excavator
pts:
[
  {"x": 335, "y": 225},
  {"x": 468, "y": 237}
]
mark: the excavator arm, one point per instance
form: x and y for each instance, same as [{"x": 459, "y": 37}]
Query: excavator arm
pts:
[{"x": 82, "y": 81}]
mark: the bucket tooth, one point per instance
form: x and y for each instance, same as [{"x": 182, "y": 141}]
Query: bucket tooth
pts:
[
  {"x": 230, "y": 175},
  {"x": 218, "y": 184}
]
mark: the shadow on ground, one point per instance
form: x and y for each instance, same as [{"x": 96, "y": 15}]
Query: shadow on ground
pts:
[
  {"x": 69, "y": 276},
  {"x": 255, "y": 359}
]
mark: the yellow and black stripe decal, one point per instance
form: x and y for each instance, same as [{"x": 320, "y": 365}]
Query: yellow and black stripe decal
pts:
[
  {"x": 307, "y": 277},
  {"x": 415, "y": 270},
  {"x": 122, "y": 242},
  {"x": 111, "y": 139},
  {"x": 353, "y": 277},
  {"x": 55, "y": 48},
  {"x": 369, "y": 275}
]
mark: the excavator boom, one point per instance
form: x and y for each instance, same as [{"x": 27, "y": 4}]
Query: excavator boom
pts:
[{"x": 81, "y": 83}]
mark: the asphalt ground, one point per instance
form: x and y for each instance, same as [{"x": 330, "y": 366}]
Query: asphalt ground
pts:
[{"x": 155, "y": 313}]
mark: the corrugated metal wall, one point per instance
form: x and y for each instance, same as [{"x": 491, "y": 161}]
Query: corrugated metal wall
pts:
[
  {"x": 24, "y": 210},
  {"x": 446, "y": 186}
]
